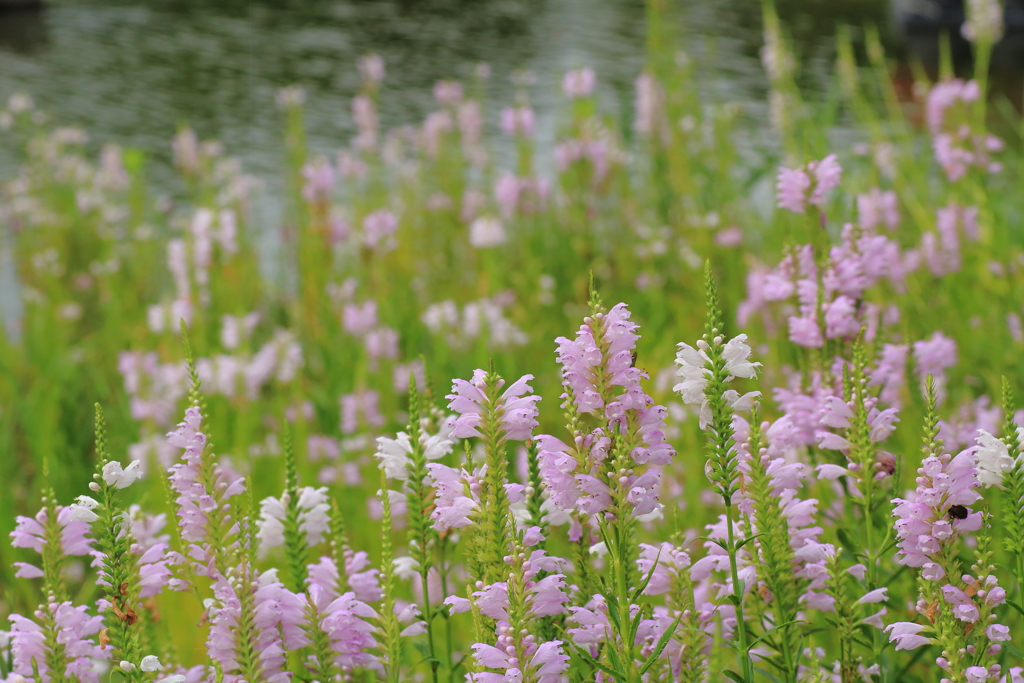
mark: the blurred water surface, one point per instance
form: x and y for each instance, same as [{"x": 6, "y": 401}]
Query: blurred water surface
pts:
[{"x": 132, "y": 72}]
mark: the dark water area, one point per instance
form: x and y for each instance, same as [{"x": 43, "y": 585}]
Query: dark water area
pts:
[{"x": 132, "y": 72}]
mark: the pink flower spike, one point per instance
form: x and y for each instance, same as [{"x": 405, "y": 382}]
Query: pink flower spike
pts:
[
  {"x": 791, "y": 189},
  {"x": 827, "y": 175}
]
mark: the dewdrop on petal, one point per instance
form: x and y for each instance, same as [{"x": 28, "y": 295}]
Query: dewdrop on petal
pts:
[{"x": 121, "y": 478}]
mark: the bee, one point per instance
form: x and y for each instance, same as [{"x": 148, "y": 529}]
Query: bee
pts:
[{"x": 958, "y": 512}]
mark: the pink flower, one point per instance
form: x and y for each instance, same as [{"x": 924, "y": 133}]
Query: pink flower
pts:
[
  {"x": 379, "y": 228},
  {"x": 578, "y": 83},
  {"x": 516, "y": 408},
  {"x": 998, "y": 633},
  {"x": 791, "y": 189},
  {"x": 805, "y": 332},
  {"x": 827, "y": 174},
  {"x": 933, "y": 356},
  {"x": 877, "y": 595}
]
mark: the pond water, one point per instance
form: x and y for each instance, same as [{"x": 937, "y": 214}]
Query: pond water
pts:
[{"x": 133, "y": 71}]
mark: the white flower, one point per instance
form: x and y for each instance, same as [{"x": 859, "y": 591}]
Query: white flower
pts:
[
  {"x": 405, "y": 567},
  {"x": 173, "y": 678},
  {"x": 315, "y": 518},
  {"x": 121, "y": 478},
  {"x": 151, "y": 663},
  {"x": 486, "y": 231},
  {"x": 270, "y": 530},
  {"x": 393, "y": 455},
  {"x": 984, "y": 21},
  {"x": 599, "y": 549},
  {"x": 82, "y": 509},
  {"x": 436, "y": 446},
  {"x": 737, "y": 402},
  {"x": 993, "y": 459},
  {"x": 127, "y": 666},
  {"x": 737, "y": 358},
  {"x": 693, "y": 374}
]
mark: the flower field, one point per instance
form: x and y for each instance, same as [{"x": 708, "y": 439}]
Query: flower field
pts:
[{"x": 697, "y": 393}]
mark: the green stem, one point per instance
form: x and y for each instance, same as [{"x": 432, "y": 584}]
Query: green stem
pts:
[
  {"x": 429, "y": 618},
  {"x": 737, "y": 591},
  {"x": 622, "y": 588}
]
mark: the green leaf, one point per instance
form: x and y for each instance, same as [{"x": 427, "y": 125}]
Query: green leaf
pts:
[
  {"x": 748, "y": 540},
  {"x": 770, "y": 631},
  {"x": 635, "y": 626},
  {"x": 426, "y": 660},
  {"x": 660, "y": 646},
  {"x": 593, "y": 662},
  {"x": 615, "y": 660},
  {"x": 886, "y": 549},
  {"x": 613, "y": 611},
  {"x": 729, "y": 673},
  {"x": 768, "y": 674},
  {"x": 1012, "y": 649},
  {"x": 847, "y": 540}
]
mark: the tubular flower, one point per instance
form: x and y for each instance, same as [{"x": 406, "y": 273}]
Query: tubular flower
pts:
[
  {"x": 923, "y": 524},
  {"x": 518, "y": 411},
  {"x": 76, "y": 630},
  {"x": 792, "y": 184},
  {"x": 694, "y": 374},
  {"x": 314, "y": 518},
  {"x": 198, "y": 506}
]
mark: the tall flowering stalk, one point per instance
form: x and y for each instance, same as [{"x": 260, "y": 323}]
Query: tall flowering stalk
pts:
[
  {"x": 858, "y": 426},
  {"x": 59, "y": 642},
  {"x": 786, "y": 107},
  {"x": 390, "y": 641},
  {"x": 706, "y": 373},
  {"x": 405, "y": 459},
  {"x": 770, "y": 504},
  {"x": 1002, "y": 463},
  {"x": 958, "y": 606},
  {"x": 218, "y": 541},
  {"x": 298, "y": 520},
  {"x": 667, "y": 567},
  {"x": 496, "y": 417},
  {"x": 113, "y": 548},
  {"x": 517, "y": 605},
  {"x": 204, "y": 489},
  {"x": 612, "y": 469}
]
